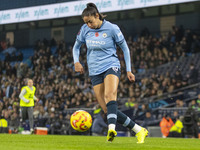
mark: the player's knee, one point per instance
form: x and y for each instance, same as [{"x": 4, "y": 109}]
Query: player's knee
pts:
[{"x": 110, "y": 96}]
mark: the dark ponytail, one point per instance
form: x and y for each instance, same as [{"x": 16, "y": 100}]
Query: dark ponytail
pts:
[{"x": 91, "y": 10}]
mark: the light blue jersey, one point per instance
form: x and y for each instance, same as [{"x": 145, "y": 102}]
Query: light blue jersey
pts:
[{"x": 101, "y": 47}]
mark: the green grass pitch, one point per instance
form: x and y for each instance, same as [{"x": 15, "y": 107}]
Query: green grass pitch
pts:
[{"x": 58, "y": 142}]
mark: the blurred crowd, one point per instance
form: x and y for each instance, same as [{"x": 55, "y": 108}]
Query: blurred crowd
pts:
[{"x": 60, "y": 88}]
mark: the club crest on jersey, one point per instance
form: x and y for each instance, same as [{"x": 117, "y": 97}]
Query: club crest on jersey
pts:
[
  {"x": 115, "y": 69},
  {"x": 96, "y": 34},
  {"x": 104, "y": 35}
]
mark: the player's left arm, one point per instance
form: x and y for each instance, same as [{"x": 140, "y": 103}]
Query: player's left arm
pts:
[
  {"x": 121, "y": 42},
  {"x": 123, "y": 45}
]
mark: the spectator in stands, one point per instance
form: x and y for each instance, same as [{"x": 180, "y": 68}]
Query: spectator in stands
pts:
[
  {"x": 67, "y": 128},
  {"x": 53, "y": 123},
  {"x": 136, "y": 110},
  {"x": 3, "y": 125},
  {"x": 182, "y": 104},
  {"x": 193, "y": 104},
  {"x": 178, "y": 76},
  {"x": 195, "y": 44},
  {"x": 175, "y": 116},
  {"x": 99, "y": 126},
  {"x": 42, "y": 117},
  {"x": 176, "y": 129},
  {"x": 3, "y": 44},
  {"x": 144, "y": 109},
  {"x": 193, "y": 75},
  {"x": 198, "y": 102},
  {"x": 177, "y": 103},
  {"x": 14, "y": 122},
  {"x": 149, "y": 120},
  {"x": 22, "y": 70},
  {"x": 7, "y": 57},
  {"x": 20, "y": 56},
  {"x": 130, "y": 103},
  {"x": 13, "y": 57},
  {"x": 166, "y": 124}
]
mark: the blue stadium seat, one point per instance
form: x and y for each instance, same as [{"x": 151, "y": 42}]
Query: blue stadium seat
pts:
[
  {"x": 53, "y": 49},
  {"x": 27, "y": 52},
  {"x": 2, "y": 56}
]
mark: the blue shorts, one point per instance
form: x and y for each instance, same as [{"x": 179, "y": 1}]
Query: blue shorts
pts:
[{"x": 98, "y": 79}]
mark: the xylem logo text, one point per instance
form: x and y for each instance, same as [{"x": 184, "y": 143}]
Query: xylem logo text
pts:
[
  {"x": 103, "y": 4},
  {"x": 21, "y": 14},
  {"x": 123, "y": 3},
  {"x": 79, "y": 8},
  {"x": 61, "y": 10},
  {"x": 4, "y": 17},
  {"x": 41, "y": 12}
]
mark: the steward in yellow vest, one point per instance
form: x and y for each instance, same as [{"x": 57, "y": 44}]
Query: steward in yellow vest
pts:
[{"x": 27, "y": 97}]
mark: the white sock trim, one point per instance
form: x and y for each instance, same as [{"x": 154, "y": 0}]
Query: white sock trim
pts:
[
  {"x": 136, "y": 128},
  {"x": 111, "y": 127}
]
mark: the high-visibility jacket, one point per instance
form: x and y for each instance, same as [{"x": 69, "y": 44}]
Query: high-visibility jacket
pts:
[
  {"x": 166, "y": 126},
  {"x": 3, "y": 123},
  {"x": 177, "y": 127},
  {"x": 29, "y": 95}
]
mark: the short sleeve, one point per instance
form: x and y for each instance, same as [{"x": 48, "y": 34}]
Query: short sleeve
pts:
[
  {"x": 117, "y": 34},
  {"x": 80, "y": 36}
]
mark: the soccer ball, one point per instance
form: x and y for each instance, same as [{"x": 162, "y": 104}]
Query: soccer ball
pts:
[{"x": 81, "y": 120}]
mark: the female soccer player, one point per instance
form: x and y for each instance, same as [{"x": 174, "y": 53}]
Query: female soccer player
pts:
[{"x": 101, "y": 37}]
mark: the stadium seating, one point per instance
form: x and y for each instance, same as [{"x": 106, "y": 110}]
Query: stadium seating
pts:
[{"x": 181, "y": 65}]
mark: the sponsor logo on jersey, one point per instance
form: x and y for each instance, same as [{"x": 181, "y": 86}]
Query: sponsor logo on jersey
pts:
[
  {"x": 104, "y": 35},
  {"x": 95, "y": 42}
]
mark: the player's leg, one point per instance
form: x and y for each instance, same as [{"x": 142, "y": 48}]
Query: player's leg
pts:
[
  {"x": 111, "y": 82},
  {"x": 141, "y": 132},
  {"x": 30, "y": 116},
  {"x": 110, "y": 96},
  {"x": 99, "y": 93},
  {"x": 98, "y": 86}
]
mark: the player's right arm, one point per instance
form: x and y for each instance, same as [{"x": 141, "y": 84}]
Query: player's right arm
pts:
[
  {"x": 21, "y": 96},
  {"x": 76, "y": 49},
  {"x": 76, "y": 54}
]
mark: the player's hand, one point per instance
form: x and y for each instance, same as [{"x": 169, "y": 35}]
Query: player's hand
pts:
[
  {"x": 131, "y": 76},
  {"x": 79, "y": 68}
]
